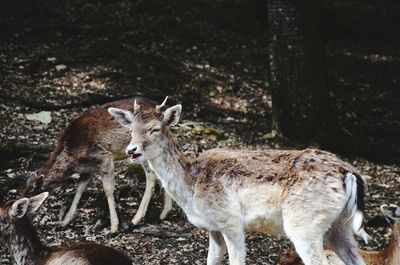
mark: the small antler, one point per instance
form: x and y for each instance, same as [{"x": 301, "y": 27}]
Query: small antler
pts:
[
  {"x": 136, "y": 107},
  {"x": 158, "y": 107}
]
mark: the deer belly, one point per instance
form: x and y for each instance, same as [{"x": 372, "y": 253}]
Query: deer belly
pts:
[
  {"x": 268, "y": 221},
  {"x": 201, "y": 222},
  {"x": 261, "y": 205}
]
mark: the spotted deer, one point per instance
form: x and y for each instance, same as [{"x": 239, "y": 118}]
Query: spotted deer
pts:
[
  {"x": 89, "y": 146},
  {"x": 25, "y": 247},
  {"x": 388, "y": 256},
  {"x": 305, "y": 194}
]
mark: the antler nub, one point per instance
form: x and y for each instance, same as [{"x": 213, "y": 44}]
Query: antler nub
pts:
[
  {"x": 158, "y": 107},
  {"x": 136, "y": 107}
]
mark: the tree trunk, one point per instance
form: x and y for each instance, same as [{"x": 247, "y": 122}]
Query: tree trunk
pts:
[{"x": 300, "y": 97}]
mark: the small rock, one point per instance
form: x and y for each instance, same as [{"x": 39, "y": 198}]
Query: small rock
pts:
[
  {"x": 60, "y": 67},
  {"x": 271, "y": 135},
  {"x": 11, "y": 175},
  {"x": 51, "y": 59},
  {"x": 43, "y": 117}
]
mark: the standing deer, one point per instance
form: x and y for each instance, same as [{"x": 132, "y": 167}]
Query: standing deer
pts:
[
  {"x": 89, "y": 146},
  {"x": 388, "y": 256},
  {"x": 307, "y": 194},
  {"x": 18, "y": 234}
]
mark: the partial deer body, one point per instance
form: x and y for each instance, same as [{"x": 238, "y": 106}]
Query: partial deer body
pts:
[
  {"x": 18, "y": 234},
  {"x": 88, "y": 147},
  {"x": 388, "y": 256},
  {"x": 306, "y": 195}
]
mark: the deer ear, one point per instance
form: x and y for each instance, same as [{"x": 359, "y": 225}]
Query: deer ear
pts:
[
  {"x": 19, "y": 208},
  {"x": 35, "y": 203},
  {"x": 391, "y": 211},
  {"x": 124, "y": 117},
  {"x": 172, "y": 115}
]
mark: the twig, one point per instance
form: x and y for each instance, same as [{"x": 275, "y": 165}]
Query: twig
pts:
[{"x": 160, "y": 234}]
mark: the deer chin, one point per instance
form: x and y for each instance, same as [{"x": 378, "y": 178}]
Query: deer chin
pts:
[{"x": 135, "y": 157}]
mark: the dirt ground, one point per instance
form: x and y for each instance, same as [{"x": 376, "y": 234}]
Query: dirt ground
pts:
[{"x": 66, "y": 56}]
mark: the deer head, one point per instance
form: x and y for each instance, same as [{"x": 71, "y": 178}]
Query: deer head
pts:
[
  {"x": 149, "y": 128},
  {"x": 391, "y": 211},
  {"x": 13, "y": 212}
]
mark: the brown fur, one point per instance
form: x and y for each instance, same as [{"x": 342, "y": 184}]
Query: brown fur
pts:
[
  {"x": 284, "y": 166},
  {"x": 80, "y": 142},
  {"x": 93, "y": 253},
  {"x": 19, "y": 235},
  {"x": 88, "y": 147}
]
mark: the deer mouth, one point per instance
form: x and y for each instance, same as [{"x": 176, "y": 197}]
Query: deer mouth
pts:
[{"x": 134, "y": 157}]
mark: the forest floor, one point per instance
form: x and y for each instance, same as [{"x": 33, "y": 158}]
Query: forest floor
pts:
[{"x": 66, "y": 56}]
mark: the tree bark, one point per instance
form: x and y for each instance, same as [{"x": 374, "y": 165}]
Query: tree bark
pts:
[{"x": 300, "y": 97}]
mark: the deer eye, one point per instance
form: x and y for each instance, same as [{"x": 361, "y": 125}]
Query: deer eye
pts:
[{"x": 155, "y": 130}]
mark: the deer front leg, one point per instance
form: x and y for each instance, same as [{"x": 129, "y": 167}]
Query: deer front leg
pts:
[
  {"x": 216, "y": 248},
  {"x": 150, "y": 176},
  {"x": 235, "y": 242},
  {"x": 107, "y": 170},
  {"x": 82, "y": 185},
  {"x": 150, "y": 185},
  {"x": 167, "y": 206}
]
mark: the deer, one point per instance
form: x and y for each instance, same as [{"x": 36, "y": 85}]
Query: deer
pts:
[
  {"x": 307, "y": 195},
  {"x": 25, "y": 247},
  {"x": 89, "y": 146},
  {"x": 389, "y": 256}
]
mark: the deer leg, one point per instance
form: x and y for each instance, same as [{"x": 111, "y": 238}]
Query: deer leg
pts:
[
  {"x": 341, "y": 240},
  {"x": 108, "y": 179},
  {"x": 308, "y": 239},
  {"x": 82, "y": 185},
  {"x": 235, "y": 242},
  {"x": 150, "y": 185},
  {"x": 167, "y": 206},
  {"x": 167, "y": 199},
  {"x": 216, "y": 248},
  {"x": 310, "y": 252}
]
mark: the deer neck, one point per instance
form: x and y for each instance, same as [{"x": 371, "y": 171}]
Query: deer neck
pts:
[
  {"x": 57, "y": 168},
  {"x": 171, "y": 167},
  {"x": 24, "y": 244}
]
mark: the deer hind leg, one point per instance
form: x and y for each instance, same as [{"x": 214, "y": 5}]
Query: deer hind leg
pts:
[
  {"x": 306, "y": 218},
  {"x": 151, "y": 180},
  {"x": 341, "y": 240},
  {"x": 216, "y": 248},
  {"x": 309, "y": 245},
  {"x": 82, "y": 185},
  {"x": 108, "y": 179}
]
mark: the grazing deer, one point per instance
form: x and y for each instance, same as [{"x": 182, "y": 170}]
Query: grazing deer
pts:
[
  {"x": 388, "y": 256},
  {"x": 20, "y": 237},
  {"x": 305, "y": 194},
  {"x": 89, "y": 146}
]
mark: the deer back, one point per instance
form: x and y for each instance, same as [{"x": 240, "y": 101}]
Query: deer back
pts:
[{"x": 87, "y": 254}]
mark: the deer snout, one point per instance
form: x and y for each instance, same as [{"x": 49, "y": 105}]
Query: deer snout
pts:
[
  {"x": 134, "y": 152},
  {"x": 131, "y": 150}
]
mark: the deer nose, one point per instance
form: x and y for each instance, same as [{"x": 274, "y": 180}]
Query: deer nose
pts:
[{"x": 131, "y": 150}]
